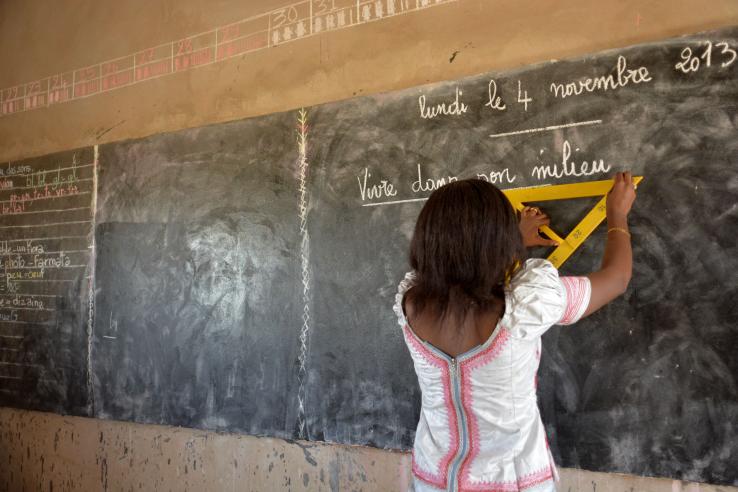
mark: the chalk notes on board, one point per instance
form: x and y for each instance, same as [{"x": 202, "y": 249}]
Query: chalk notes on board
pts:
[
  {"x": 46, "y": 220},
  {"x": 622, "y": 77},
  {"x": 692, "y": 59}
]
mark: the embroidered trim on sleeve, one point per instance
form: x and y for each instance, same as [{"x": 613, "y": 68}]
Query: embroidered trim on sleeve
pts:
[{"x": 578, "y": 291}]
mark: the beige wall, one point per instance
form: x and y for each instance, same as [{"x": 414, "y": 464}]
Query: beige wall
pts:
[
  {"x": 37, "y": 40},
  {"x": 41, "y": 38},
  {"x": 41, "y": 451}
]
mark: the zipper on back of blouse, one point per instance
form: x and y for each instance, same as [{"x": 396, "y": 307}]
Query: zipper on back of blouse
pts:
[{"x": 453, "y": 482}]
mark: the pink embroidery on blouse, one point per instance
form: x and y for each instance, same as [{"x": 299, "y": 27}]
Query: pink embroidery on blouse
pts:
[
  {"x": 576, "y": 290},
  {"x": 466, "y": 367},
  {"x": 491, "y": 487},
  {"x": 535, "y": 478},
  {"x": 526, "y": 482},
  {"x": 440, "y": 479}
]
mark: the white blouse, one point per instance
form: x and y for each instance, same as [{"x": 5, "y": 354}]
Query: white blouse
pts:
[{"x": 480, "y": 428}]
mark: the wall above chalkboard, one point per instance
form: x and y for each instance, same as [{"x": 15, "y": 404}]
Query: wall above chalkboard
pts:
[{"x": 241, "y": 276}]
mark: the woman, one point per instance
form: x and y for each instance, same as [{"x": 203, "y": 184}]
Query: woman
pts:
[{"x": 473, "y": 312}]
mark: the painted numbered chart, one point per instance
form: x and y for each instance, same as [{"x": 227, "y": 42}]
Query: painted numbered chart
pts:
[{"x": 285, "y": 24}]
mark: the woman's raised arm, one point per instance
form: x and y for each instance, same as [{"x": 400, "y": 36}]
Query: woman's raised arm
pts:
[{"x": 612, "y": 279}]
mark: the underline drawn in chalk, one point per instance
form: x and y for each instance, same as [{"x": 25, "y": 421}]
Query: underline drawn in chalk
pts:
[
  {"x": 16, "y": 322},
  {"x": 45, "y": 267},
  {"x": 22, "y": 253},
  {"x": 393, "y": 202},
  {"x": 60, "y": 210},
  {"x": 46, "y": 225},
  {"x": 49, "y": 238},
  {"x": 547, "y": 128},
  {"x": 33, "y": 295},
  {"x": 286, "y": 24},
  {"x": 14, "y": 308}
]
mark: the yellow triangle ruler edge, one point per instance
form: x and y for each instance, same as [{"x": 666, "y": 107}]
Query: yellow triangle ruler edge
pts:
[{"x": 577, "y": 236}]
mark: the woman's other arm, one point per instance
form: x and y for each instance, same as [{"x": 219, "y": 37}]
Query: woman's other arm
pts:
[{"x": 612, "y": 279}]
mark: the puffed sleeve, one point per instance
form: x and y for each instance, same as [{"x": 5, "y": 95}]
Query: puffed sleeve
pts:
[
  {"x": 405, "y": 284},
  {"x": 538, "y": 299},
  {"x": 578, "y": 292}
]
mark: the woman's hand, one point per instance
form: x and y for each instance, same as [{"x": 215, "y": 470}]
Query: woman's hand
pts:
[
  {"x": 531, "y": 219},
  {"x": 620, "y": 199}
]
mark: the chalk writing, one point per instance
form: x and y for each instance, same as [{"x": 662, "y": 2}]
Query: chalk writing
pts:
[
  {"x": 9, "y": 317},
  {"x": 455, "y": 108},
  {"x": 376, "y": 190},
  {"x": 623, "y": 77},
  {"x": 498, "y": 177},
  {"x": 44, "y": 252},
  {"x": 52, "y": 178},
  {"x": 691, "y": 62},
  {"x": 523, "y": 97},
  {"x": 22, "y": 302},
  {"x": 13, "y": 169},
  {"x": 19, "y": 202},
  {"x": 12, "y": 99},
  {"x": 27, "y": 275},
  {"x": 25, "y": 247},
  {"x": 569, "y": 167},
  {"x": 154, "y": 62},
  {"x": 87, "y": 81},
  {"x": 36, "y": 93},
  {"x": 430, "y": 184},
  {"x": 60, "y": 88},
  {"x": 117, "y": 73},
  {"x": 494, "y": 101}
]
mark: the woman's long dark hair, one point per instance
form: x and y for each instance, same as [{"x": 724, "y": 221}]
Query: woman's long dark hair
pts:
[{"x": 465, "y": 247}]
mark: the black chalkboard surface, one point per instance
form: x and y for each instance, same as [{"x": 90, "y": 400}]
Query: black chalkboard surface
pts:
[
  {"x": 46, "y": 264},
  {"x": 244, "y": 273},
  {"x": 198, "y": 279}
]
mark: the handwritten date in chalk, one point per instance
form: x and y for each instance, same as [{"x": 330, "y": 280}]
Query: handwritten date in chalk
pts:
[{"x": 705, "y": 56}]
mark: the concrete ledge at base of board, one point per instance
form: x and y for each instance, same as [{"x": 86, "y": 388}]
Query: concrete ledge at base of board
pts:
[{"x": 53, "y": 452}]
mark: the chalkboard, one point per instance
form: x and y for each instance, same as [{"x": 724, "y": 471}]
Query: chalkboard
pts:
[
  {"x": 198, "y": 279},
  {"x": 244, "y": 272},
  {"x": 46, "y": 262},
  {"x": 645, "y": 386}
]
